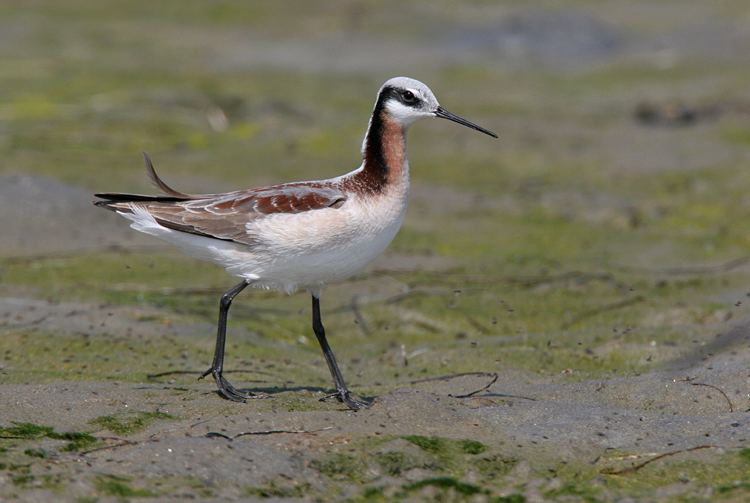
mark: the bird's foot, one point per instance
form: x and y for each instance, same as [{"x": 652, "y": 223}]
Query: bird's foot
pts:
[
  {"x": 348, "y": 399},
  {"x": 228, "y": 391}
]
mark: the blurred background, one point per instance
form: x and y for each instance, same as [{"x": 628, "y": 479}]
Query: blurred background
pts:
[{"x": 605, "y": 234}]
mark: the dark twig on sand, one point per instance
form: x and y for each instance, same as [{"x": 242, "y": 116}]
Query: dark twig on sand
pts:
[
  {"x": 506, "y": 395},
  {"x": 453, "y": 376},
  {"x": 690, "y": 380},
  {"x": 274, "y": 432},
  {"x": 483, "y": 388},
  {"x": 635, "y": 468},
  {"x": 121, "y": 442},
  {"x": 726, "y": 397},
  {"x": 602, "y": 309},
  {"x": 215, "y": 434},
  {"x": 494, "y": 377}
]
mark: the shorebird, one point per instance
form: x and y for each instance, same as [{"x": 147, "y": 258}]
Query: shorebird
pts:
[{"x": 300, "y": 234}]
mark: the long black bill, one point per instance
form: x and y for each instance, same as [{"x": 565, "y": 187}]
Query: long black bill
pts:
[{"x": 445, "y": 114}]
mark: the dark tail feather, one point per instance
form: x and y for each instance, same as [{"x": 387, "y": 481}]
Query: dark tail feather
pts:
[
  {"x": 116, "y": 197},
  {"x": 111, "y": 199},
  {"x": 161, "y": 183}
]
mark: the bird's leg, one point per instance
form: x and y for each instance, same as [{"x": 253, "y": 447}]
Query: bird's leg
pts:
[
  {"x": 342, "y": 393},
  {"x": 217, "y": 367}
]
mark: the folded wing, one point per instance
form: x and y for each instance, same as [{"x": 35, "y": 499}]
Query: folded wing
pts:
[{"x": 224, "y": 216}]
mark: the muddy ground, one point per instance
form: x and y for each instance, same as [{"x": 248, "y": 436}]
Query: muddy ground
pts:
[{"x": 564, "y": 316}]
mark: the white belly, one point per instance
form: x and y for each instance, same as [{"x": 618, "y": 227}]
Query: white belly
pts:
[{"x": 317, "y": 247}]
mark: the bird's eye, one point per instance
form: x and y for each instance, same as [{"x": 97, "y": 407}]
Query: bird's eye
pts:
[{"x": 409, "y": 97}]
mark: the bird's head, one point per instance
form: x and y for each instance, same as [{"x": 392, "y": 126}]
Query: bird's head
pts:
[{"x": 407, "y": 100}]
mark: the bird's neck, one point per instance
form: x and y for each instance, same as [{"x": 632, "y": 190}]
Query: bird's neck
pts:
[{"x": 384, "y": 162}]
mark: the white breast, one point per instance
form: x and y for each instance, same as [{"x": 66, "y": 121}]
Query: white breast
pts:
[{"x": 317, "y": 247}]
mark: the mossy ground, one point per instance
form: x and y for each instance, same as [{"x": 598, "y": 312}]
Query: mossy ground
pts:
[
  {"x": 581, "y": 246},
  {"x": 127, "y": 424}
]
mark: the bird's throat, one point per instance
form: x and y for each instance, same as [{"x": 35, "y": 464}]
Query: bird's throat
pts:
[{"x": 385, "y": 163}]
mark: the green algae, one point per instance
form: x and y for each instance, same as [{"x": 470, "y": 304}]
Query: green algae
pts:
[
  {"x": 110, "y": 485},
  {"x": 76, "y": 440},
  {"x": 37, "y": 453},
  {"x": 461, "y": 488},
  {"x": 279, "y": 490},
  {"x": 27, "y": 431},
  {"x": 129, "y": 423},
  {"x": 448, "y": 460},
  {"x": 494, "y": 466},
  {"x": 448, "y": 453},
  {"x": 340, "y": 466},
  {"x": 395, "y": 463}
]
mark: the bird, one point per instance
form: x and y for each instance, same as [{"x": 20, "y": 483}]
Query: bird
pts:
[{"x": 297, "y": 235}]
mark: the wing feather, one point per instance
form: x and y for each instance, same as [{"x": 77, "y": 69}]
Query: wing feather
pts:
[{"x": 224, "y": 216}]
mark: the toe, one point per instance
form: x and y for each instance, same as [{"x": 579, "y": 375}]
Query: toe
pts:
[{"x": 354, "y": 403}]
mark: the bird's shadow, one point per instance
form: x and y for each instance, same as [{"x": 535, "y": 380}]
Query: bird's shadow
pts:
[
  {"x": 275, "y": 390},
  {"x": 263, "y": 390}
]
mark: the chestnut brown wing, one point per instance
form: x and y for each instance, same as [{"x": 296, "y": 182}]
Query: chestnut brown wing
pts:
[{"x": 225, "y": 216}]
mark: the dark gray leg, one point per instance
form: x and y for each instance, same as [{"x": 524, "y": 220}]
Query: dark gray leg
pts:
[
  {"x": 217, "y": 367},
  {"x": 342, "y": 393}
]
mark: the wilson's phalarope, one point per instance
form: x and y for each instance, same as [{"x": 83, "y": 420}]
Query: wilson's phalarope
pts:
[{"x": 301, "y": 234}]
